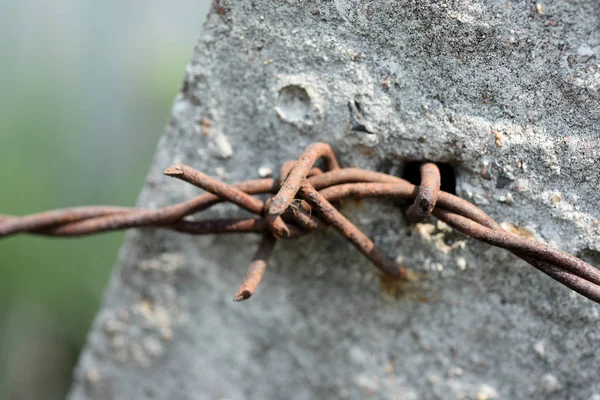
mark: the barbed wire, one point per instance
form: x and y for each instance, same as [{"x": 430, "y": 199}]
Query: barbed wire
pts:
[{"x": 305, "y": 198}]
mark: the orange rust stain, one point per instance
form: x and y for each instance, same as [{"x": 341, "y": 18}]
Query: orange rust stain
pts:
[
  {"x": 394, "y": 287},
  {"x": 518, "y": 230}
]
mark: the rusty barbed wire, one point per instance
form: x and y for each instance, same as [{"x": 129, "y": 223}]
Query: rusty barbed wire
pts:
[{"x": 305, "y": 198}]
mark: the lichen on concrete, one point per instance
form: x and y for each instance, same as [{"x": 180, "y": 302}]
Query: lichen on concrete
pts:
[{"x": 507, "y": 93}]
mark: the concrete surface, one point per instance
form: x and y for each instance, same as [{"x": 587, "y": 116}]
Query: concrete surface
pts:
[{"x": 505, "y": 92}]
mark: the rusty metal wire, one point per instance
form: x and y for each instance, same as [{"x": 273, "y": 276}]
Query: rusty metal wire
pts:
[{"x": 305, "y": 198}]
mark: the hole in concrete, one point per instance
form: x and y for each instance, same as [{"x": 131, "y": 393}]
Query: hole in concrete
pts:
[
  {"x": 294, "y": 104},
  {"x": 357, "y": 118},
  {"x": 448, "y": 176}
]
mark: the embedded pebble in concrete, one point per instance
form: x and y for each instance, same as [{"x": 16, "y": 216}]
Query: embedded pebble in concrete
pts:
[
  {"x": 540, "y": 349},
  {"x": 504, "y": 93},
  {"x": 549, "y": 384}
]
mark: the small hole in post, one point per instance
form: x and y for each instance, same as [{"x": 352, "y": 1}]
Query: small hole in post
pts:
[
  {"x": 295, "y": 105},
  {"x": 447, "y": 175}
]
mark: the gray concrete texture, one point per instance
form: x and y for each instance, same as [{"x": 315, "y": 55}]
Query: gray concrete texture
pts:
[{"x": 505, "y": 92}]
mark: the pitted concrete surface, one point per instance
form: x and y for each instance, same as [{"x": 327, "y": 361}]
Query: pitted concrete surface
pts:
[{"x": 507, "y": 93}]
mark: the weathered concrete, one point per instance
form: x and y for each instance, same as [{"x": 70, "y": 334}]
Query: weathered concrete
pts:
[{"x": 506, "y": 92}]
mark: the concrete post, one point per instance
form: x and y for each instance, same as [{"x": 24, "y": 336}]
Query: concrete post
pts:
[{"x": 506, "y": 93}]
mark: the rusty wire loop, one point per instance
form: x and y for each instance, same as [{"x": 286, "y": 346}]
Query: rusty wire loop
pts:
[
  {"x": 427, "y": 194},
  {"x": 304, "y": 199}
]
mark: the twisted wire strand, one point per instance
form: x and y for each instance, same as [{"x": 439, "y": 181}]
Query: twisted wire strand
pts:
[{"x": 304, "y": 199}]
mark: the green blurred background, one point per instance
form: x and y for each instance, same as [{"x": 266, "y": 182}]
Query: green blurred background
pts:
[{"x": 87, "y": 88}]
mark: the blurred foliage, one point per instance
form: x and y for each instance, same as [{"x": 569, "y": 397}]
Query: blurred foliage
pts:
[{"x": 76, "y": 128}]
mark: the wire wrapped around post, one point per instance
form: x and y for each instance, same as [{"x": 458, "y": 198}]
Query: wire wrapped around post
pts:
[{"x": 304, "y": 199}]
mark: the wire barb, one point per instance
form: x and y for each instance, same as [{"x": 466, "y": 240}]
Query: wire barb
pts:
[
  {"x": 305, "y": 199},
  {"x": 257, "y": 268}
]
